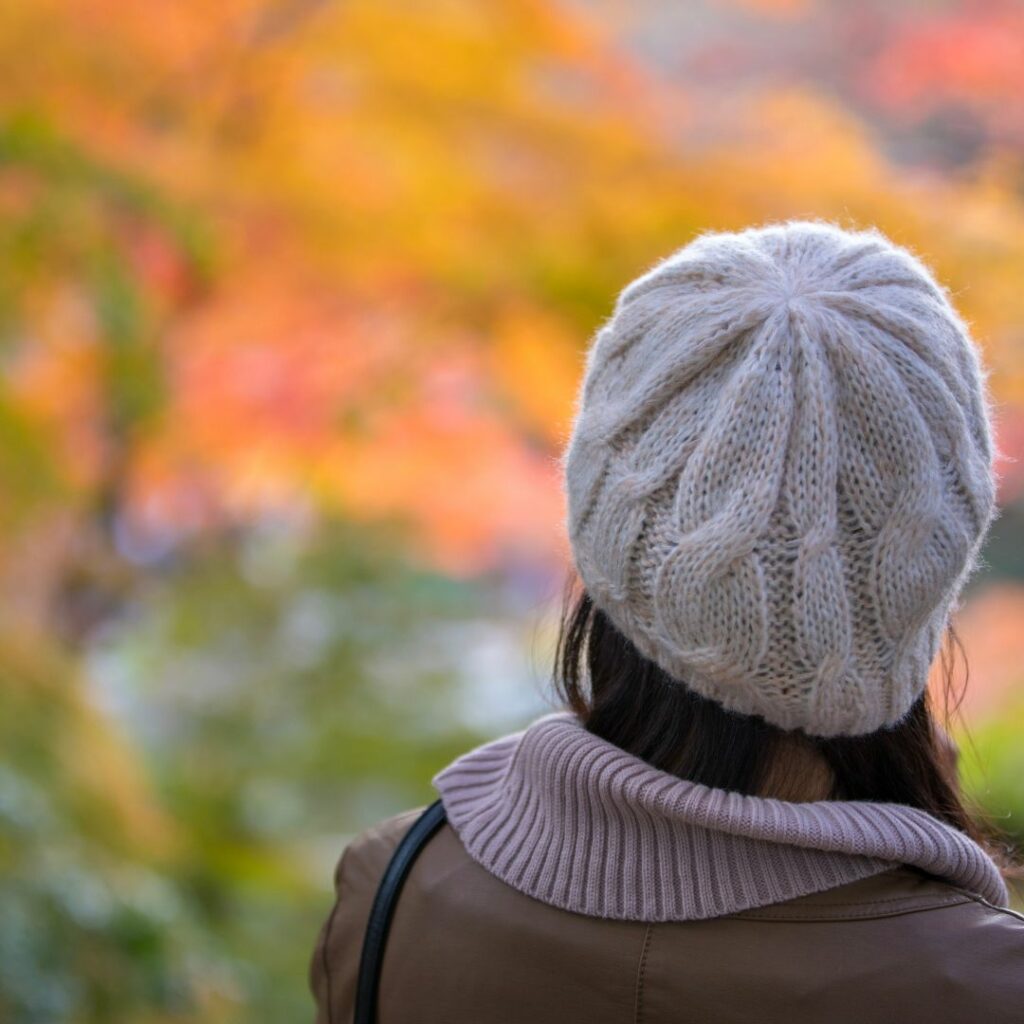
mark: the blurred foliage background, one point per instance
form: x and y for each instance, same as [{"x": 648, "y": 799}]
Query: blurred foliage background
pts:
[{"x": 294, "y": 297}]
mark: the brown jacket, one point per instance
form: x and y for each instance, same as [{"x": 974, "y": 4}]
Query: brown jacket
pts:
[{"x": 466, "y": 947}]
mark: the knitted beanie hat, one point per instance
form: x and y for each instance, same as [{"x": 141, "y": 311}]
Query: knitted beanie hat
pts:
[{"x": 781, "y": 472}]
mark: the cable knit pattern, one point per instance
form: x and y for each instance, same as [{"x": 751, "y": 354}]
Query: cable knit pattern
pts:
[
  {"x": 781, "y": 472},
  {"x": 576, "y": 822}
]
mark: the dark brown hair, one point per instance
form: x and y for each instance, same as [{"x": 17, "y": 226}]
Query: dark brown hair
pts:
[{"x": 631, "y": 702}]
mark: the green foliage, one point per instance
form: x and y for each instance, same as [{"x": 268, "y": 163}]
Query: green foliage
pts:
[
  {"x": 91, "y": 924},
  {"x": 993, "y": 769},
  {"x": 284, "y": 696}
]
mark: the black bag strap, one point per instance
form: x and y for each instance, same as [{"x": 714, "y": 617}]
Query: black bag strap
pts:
[{"x": 421, "y": 832}]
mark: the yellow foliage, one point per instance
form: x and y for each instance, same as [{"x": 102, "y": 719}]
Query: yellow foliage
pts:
[
  {"x": 535, "y": 361},
  {"x": 93, "y": 772},
  {"x": 393, "y": 185}
]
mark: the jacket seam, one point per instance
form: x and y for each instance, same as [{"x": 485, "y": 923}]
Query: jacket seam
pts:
[
  {"x": 958, "y": 898},
  {"x": 1006, "y": 911},
  {"x": 867, "y": 915},
  {"x": 641, "y": 970},
  {"x": 325, "y": 964},
  {"x": 339, "y": 875}
]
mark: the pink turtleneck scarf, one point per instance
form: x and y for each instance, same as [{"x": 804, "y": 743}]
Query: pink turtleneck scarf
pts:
[{"x": 576, "y": 822}]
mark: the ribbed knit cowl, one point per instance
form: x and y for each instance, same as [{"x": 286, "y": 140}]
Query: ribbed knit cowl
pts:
[{"x": 574, "y": 821}]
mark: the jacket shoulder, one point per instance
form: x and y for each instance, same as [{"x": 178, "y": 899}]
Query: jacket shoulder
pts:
[
  {"x": 366, "y": 856},
  {"x": 333, "y": 965},
  {"x": 893, "y": 893},
  {"x": 914, "y": 944}
]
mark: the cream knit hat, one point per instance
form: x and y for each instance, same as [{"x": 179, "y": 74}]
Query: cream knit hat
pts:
[{"x": 781, "y": 472}]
